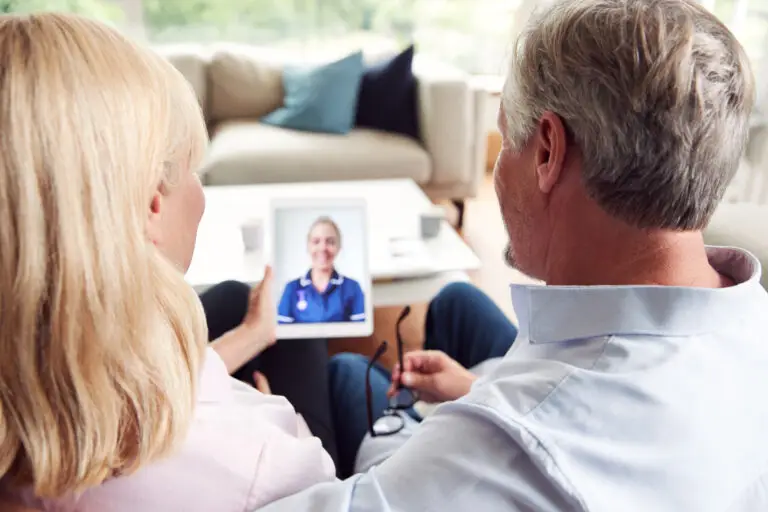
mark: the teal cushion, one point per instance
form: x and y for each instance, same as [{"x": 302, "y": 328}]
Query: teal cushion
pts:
[{"x": 320, "y": 99}]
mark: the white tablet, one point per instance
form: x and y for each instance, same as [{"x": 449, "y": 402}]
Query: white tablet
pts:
[{"x": 318, "y": 249}]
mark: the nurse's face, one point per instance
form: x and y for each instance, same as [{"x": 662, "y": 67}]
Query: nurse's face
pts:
[{"x": 323, "y": 246}]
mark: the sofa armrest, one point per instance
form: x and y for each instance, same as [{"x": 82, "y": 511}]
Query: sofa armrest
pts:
[{"x": 446, "y": 118}]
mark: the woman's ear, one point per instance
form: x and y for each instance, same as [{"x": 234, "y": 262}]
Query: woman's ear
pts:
[{"x": 154, "y": 220}]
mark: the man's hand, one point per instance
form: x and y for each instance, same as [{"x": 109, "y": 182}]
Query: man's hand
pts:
[
  {"x": 260, "y": 319},
  {"x": 436, "y": 377}
]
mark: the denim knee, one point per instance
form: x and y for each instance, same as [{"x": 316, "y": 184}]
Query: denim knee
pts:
[
  {"x": 345, "y": 367},
  {"x": 452, "y": 294}
]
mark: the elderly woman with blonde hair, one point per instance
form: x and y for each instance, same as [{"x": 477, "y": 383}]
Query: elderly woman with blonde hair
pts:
[{"x": 109, "y": 396}]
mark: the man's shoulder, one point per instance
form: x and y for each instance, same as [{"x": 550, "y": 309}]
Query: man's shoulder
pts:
[
  {"x": 481, "y": 442},
  {"x": 531, "y": 375},
  {"x": 583, "y": 408}
]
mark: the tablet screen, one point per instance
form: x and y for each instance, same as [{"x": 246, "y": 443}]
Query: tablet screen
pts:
[{"x": 319, "y": 255}]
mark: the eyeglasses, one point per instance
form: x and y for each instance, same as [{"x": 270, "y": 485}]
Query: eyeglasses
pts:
[{"x": 392, "y": 420}]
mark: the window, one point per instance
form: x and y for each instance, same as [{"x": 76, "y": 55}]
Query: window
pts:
[
  {"x": 474, "y": 35},
  {"x": 466, "y": 33},
  {"x": 462, "y": 32}
]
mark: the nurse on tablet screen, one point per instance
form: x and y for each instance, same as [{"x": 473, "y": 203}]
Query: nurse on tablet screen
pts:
[{"x": 322, "y": 295}]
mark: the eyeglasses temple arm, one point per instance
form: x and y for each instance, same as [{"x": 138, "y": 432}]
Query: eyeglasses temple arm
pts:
[
  {"x": 368, "y": 392},
  {"x": 369, "y": 399},
  {"x": 400, "y": 345}
]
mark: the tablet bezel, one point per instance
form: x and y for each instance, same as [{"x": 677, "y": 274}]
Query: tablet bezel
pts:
[{"x": 322, "y": 330}]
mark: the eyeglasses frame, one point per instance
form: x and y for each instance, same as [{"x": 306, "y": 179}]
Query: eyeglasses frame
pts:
[{"x": 393, "y": 409}]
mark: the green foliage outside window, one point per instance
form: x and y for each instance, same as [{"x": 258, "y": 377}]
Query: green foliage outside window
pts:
[
  {"x": 472, "y": 34},
  {"x": 96, "y": 8},
  {"x": 262, "y": 20}
]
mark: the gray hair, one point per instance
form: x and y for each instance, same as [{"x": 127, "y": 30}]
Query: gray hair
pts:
[{"x": 657, "y": 95}]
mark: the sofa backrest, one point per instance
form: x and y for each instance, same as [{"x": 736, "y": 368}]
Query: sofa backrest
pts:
[
  {"x": 241, "y": 81},
  {"x": 231, "y": 80},
  {"x": 192, "y": 61}
]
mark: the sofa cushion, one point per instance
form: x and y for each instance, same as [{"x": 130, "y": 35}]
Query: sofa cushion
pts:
[
  {"x": 242, "y": 83},
  {"x": 243, "y": 152},
  {"x": 320, "y": 98},
  {"x": 741, "y": 225},
  {"x": 388, "y": 96}
]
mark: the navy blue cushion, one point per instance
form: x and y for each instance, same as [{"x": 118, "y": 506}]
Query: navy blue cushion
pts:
[
  {"x": 388, "y": 96},
  {"x": 321, "y": 98}
]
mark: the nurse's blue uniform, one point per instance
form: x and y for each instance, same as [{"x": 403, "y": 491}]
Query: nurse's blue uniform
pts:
[{"x": 342, "y": 301}]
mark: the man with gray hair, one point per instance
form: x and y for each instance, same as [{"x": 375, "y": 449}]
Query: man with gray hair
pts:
[{"x": 638, "y": 377}]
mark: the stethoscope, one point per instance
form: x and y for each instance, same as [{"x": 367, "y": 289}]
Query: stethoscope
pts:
[{"x": 301, "y": 305}]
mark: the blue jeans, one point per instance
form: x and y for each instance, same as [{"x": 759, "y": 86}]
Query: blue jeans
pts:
[{"x": 461, "y": 321}]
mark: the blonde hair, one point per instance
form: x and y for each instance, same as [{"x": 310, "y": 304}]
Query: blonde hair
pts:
[
  {"x": 657, "y": 94},
  {"x": 101, "y": 337},
  {"x": 324, "y": 219}
]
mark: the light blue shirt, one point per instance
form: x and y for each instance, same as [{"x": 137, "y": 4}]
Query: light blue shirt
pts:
[{"x": 640, "y": 398}]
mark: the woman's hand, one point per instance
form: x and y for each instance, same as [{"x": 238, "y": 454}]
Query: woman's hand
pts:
[
  {"x": 261, "y": 383},
  {"x": 261, "y": 318},
  {"x": 256, "y": 333},
  {"x": 435, "y": 376}
]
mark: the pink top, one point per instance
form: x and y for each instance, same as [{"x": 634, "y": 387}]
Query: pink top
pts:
[{"x": 244, "y": 450}]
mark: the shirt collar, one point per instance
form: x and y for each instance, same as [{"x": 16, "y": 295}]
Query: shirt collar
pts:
[
  {"x": 306, "y": 279},
  {"x": 550, "y": 314}
]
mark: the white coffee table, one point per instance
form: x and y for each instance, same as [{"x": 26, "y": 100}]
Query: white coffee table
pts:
[{"x": 413, "y": 276}]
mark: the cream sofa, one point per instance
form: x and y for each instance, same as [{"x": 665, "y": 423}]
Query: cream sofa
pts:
[{"x": 238, "y": 85}]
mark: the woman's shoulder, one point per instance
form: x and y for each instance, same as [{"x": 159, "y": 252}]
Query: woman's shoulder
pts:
[
  {"x": 222, "y": 397},
  {"x": 261, "y": 438},
  {"x": 235, "y": 457}
]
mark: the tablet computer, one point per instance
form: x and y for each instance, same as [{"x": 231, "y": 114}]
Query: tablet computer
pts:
[{"x": 318, "y": 249}]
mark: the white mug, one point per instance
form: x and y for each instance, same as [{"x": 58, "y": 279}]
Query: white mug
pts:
[
  {"x": 430, "y": 221},
  {"x": 253, "y": 234}
]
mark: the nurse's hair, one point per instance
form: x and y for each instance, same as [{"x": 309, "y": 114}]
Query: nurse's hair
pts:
[
  {"x": 327, "y": 221},
  {"x": 101, "y": 339}
]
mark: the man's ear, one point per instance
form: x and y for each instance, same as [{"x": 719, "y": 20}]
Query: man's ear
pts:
[
  {"x": 154, "y": 221},
  {"x": 551, "y": 145}
]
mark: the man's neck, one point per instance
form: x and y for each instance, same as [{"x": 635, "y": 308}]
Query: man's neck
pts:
[{"x": 619, "y": 255}]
